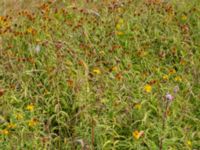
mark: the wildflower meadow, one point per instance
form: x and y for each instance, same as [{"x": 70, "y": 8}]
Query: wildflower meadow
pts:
[{"x": 99, "y": 74}]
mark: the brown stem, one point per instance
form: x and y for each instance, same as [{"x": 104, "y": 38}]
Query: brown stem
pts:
[{"x": 92, "y": 132}]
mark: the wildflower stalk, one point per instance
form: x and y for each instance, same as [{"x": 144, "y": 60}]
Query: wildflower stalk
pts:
[
  {"x": 165, "y": 105},
  {"x": 163, "y": 125},
  {"x": 93, "y": 133}
]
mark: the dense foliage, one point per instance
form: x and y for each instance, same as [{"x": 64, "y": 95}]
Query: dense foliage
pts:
[{"x": 120, "y": 75}]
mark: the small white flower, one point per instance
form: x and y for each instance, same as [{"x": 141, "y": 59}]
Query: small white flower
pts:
[{"x": 37, "y": 48}]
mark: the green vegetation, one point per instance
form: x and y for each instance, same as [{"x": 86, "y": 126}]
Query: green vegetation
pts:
[{"x": 101, "y": 75}]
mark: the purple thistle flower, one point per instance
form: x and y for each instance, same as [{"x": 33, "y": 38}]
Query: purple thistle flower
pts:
[{"x": 169, "y": 97}]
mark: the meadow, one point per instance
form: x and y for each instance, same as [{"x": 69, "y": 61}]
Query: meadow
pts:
[{"x": 100, "y": 75}]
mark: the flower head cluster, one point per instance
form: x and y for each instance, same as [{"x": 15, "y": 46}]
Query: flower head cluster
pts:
[
  {"x": 96, "y": 71},
  {"x": 119, "y": 27},
  {"x": 169, "y": 97},
  {"x": 148, "y": 88},
  {"x": 33, "y": 122},
  {"x": 30, "y": 107},
  {"x": 137, "y": 134}
]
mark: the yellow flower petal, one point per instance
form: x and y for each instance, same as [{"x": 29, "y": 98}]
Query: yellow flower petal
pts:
[
  {"x": 178, "y": 79},
  {"x": 19, "y": 116},
  {"x": 165, "y": 77},
  {"x": 33, "y": 122},
  {"x": 137, "y": 134},
  {"x": 119, "y": 33},
  {"x": 184, "y": 17},
  {"x": 96, "y": 71},
  {"x": 114, "y": 68},
  {"x": 121, "y": 21},
  {"x": 189, "y": 143},
  {"x": 138, "y": 106},
  {"x": 30, "y": 107},
  {"x": 118, "y": 26},
  {"x": 147, "y": 88},
  {"x": 5, "y": 132},
  {"x": 172, "y": 71},
  {"x": 11, "y": 125}
]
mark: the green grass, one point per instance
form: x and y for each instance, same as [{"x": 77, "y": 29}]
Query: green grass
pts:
[{"x": 94, "y": 75}]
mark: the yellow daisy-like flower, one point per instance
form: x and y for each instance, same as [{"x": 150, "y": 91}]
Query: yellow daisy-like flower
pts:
[
  {"x": 119, "y": 33},
  {"x": 1, "y": 18},
  {"x": 121, "y": 21},
  {"x": 96, "y": 71},
  {"x": 172, "y": 71},
  {"x": 19, "y": 116},
  {"x": 68, "y": 63},
  {"x": 30, "y": 107},
  {"x": 137, "y": 134},
  {"x": 38, "y": 40},
  {"x": 118, "y": 26},
  {"x": 33, "y": 122},
  {"x": 137, "y": 106},
  {"x": 114, "y": 68},
  {"x": 182, "y": 62},
  {"x": 11, "y": 126},
  {"x": 30, "y": 30},
  {"x": 178, "y": 79},
  {"x": 147, "y": 88},
  {"x": 189, "y": 143},
  {"x": 102, "y": 53},
  {"x": 5, "y": 132},
  {"x": 165, "y": 77},
  {"x": 142, "y": 53},
  {"x": 184, "y": 17}
]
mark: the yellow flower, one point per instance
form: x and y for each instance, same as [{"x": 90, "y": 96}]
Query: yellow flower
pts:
[
  {"x": 142, "y": 53},
  {"x": 96, "y": 71},
  {"x": 29, "y": 30},
  {"x": 1, "y": 18},
  {"x": 11, "y": 125},
  {"x": 165, "y": 77},
  {"x": 189, "y": 143},
  {"x": 114, "y": 68},
  {"x": 30, "y": 107},
  {"x": 137, "y": 134},
  {"x": 118, "y": 26},
  {"x": 184, "y": 17},
  {"x": 137, "y": 106},
  {"x": 102, "y": 53},
  {"x": 38, "y": 40},
  {"x": 172, "y": 71},
  {"x": 19, "y": 116},
  {"x": 147, "y": 88},
  {"x": 104, "y": 100},
  {"x": 182, "y": 62},
  {"x": 68, "y": 63},
  {"x": 33, "y": 122},
  {"x": 5, "y": 132},
  {"x": 121, "y": 21},
  {"x": 178, "y": 79},
  {"x": 119, "y": 33}
]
